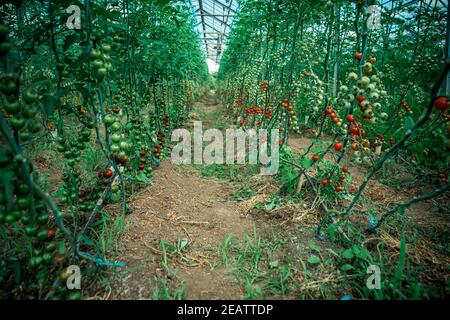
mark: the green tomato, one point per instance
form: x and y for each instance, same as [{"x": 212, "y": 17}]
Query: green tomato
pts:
[
  {"x": 34, "y": 126},
  {"x": 47, "y": 258},
  {"x": 109, "y": 120},
  {"x": 50, "y": 247},
  {"x": 26, "y": 219},
  {"x": 106, "y": 47},
  {"x": 115, "y": 197},
  {"x": 71, "y": 162},
  {"x": 23, "y": 203},
  {"x": 61, "y": 148},
  {"x": 86, "y": 133},
  {"x": 42, "y": 234},
  {"x": 95, "y": 54},
  {"x": 124, "y": 146},
  {"x": 9, "y": 88},
  {"x": 101, "y": 72},
  {"x": 116, "y": 138},
  {"x": 116, "y": 126},
  {"x": 68, "y": 154},
  {"x": 10, "y": 218},
  {"x": 30, "y": 112},
  {"x": 30, "y": 97},
  {"x": 97, "y": 63},
  {"x": 115, "y": 148},
  {"x": 31, "y": 231},
  {"x": 24, "y": 135},
  {"x": 42, "y": 219},
  {"x": 23, "y": 189},
  {"x": 17, "y": 122},
  {"x": 12, "y": 107}
]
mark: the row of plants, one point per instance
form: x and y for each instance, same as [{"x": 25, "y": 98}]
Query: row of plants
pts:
[
  {"x": 100, "y": 100},
  {"x": 365, "y": 95}
]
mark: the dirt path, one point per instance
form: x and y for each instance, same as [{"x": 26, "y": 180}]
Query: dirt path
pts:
[{"x": 181, "y": 207}]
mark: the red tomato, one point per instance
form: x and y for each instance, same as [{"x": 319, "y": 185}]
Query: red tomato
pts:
[
  {"x": 353, "y": 129},
  {"x": 324, "y": 182},
  {"x": 345, "y": 169},
  {"x": 338, "y": 146},
  {"x": 350, "y": 118},
  {"x": 441, "y": 103},
  {"x": 315, "y": 158}
]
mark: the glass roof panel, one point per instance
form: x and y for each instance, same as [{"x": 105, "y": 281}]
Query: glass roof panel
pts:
[{"x": 214, "y": 19}]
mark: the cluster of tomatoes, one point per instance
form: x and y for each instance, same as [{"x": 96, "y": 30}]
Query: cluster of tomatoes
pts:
[
  {"x": 252, "y": 110},
  {"x": 355, "y": 128},
  {"x": 161, "y": 137},
  {"x": 119, "y": 146},
  {"x": 338, "y": 185},
  {"x": 101, "y": 60},
  {"x": 27, "y": 216},
  {"x": 289, "y": 106},
  {"x": 330, "y": 112},
  {"x": 405, "y": 106},
  {"x": 366, "y": 109},
  {"x": 72, "y": 149},
  {"x": 138, "y": 136},
  {"x": 263, "y": 85},
  {"x": 21, "y": 113}
]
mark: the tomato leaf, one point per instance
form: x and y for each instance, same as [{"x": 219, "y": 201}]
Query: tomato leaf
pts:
[
  {"x": 313, "y": 259},
  {"x": 346, "y": 267},
  {"x": 314, "y": 247},
  {"x": 348, "y": 254}
]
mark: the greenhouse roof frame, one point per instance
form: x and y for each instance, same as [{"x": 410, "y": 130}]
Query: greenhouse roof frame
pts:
[{"x": 214, "y": 19}]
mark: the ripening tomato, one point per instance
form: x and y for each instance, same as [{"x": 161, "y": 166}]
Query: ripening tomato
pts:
[
  {"x": 108, "y": 173},
  {"x": 360, "y": 99},
  {"x": 358, "y": 55},
  {"x": 51, "y": 232},
  {"x": 342, "y": 176}
]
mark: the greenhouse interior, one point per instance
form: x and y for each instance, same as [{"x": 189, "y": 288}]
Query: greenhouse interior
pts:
[{"x": 224, "y": 150}]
